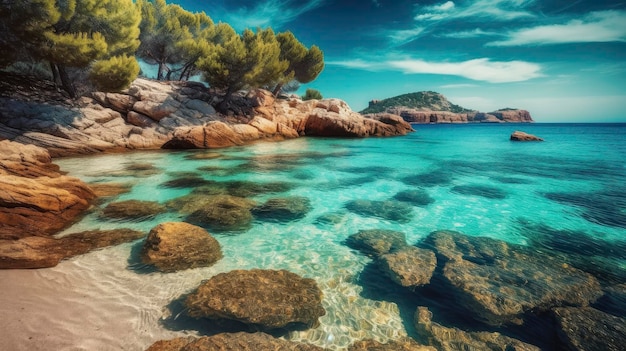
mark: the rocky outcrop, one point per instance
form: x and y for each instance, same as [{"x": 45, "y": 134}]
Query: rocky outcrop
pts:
[
  {"x": 176, "y": 246},
  {"x": 377, "y": 242},
  {"x": 35, "y": 197},
  {"x": 232, "y": 342},
  {"x": 587, "y": 328},
  {"x": 521, "y": 136},
  {"x": 499, "y": 282},
  {"x": 280, "y": 120},
  {"x": 265, "y": 299},
  {"x": 454, "y": 339},
  {"x": 43, "y": 252}
]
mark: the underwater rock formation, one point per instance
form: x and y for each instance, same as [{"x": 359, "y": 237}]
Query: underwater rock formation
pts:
[
  {"x": 266, "y": 299},
  {"x": 377, "y": 242},
  {"x": 132, "y": 210},
  {"x": 283, "y": 209},
  {"x": 390, "y": 210},
  {"x": 500, "y": 282},
  {"x": 393, "y": 345},
  {"x": 587, "y": 328},
  {"x": 232, "y": 342},
  {"x": 410, "y": 266},
  {"x": 175, "y": 246}
]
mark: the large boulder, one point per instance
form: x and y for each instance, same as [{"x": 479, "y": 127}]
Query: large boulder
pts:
[
  {"x": 454, "y": 339},
  {"x": 500, "y": 282},
  {"x": 232, "y": 342},
  {"x": 220, "y": 212},
  {"x": 587, "y": 328},
  {"x": 266, "y": 299},
  {"x": 136, "y": 210},
  {"x": 175, "y": 246},
  {"x": 43, "y": 252}
]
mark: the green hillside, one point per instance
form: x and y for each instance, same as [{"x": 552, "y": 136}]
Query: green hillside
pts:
[{"x": 420, "y": 100}]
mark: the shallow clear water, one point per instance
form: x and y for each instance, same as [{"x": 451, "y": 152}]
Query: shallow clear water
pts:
[{"x": 481, "y": 183}]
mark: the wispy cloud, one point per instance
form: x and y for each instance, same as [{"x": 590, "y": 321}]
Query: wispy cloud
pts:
[
  {"x": 482, "y": 69},
  {"x": 601, "y": 26},
  {"x": 458, "y": 86},
  {"x": 470, "y": 34},
  {"x": 495, "y": 10},
  {"x": 403, "y": 36},
  {"x": 270, "y": 13}
]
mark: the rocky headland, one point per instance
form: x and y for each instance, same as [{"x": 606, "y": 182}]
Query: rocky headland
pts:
[
  {"x": 38, "y": 124},
  {"x": 431, "y": 107}
]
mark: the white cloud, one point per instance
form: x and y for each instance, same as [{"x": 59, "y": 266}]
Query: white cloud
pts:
[
  {"x": 435, "y": 12},
  {"x": 270, "y": 13},
  {"x": 481, "y": 69},
  {"x": 469, "y": 34},
  {"x": 458, "y": 86},
  {"x": 602, "y": 26}
]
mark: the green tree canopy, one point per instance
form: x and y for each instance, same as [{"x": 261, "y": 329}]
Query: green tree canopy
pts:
[
  {"x": 311, "y": 94},
  {"x": 70, "y": 33},
  {"x": 304, "y": 64}
]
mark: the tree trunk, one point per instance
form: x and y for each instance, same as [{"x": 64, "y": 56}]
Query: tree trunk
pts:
[
  {"x": 67, "y": 83},
  {"x": 278, "y": 88}
]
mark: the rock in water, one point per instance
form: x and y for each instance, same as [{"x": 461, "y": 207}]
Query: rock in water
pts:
[
  {"x": 589, "y": 329},
  {"x": 232, "y": 342},
  {"x": 521, "y": 136},
  {"x": 283, "y": 209},
  {"x": 377, "y": 242},
  {"x": 133, "y": 210},
  {"x": 174, "y": 246},
  {"x": 410, "y": 267},
  {"x": 266, "y": 299},
  {"x": 393, "y": 345},
  {"x": 453, "y": 339},
  {"x": 500, "y": 282}
]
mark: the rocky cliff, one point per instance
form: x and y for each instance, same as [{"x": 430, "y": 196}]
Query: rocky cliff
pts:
[
  {"x": 431, "y": 107},
  {"x": 150, "y": 114}
]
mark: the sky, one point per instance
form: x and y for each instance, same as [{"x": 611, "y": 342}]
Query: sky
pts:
[{"x": 564, "y": 61}]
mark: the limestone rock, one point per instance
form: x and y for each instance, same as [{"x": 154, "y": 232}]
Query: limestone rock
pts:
[
  {"x": 175, "y": 246},
  {"x": 410, "y": 266},
  {"x": 43, "y": 252},
  {"x": 521, "y": 136},
  {"x": 499, "y": 281},
  {"x": 232, "y": 342},
  {"x": 283, "y": 209},
  {"x": 221, "y": 213},
  {"x": 454, "y": 339},
  {"x": 587, "y": 328},
  {"x": 393, "y": 345},
  {"x": 35, "y": 198},
  {"x": 377, "y": 242},
  {"x": 414, "y": 197},
  {"x": 267, "y": 299}
]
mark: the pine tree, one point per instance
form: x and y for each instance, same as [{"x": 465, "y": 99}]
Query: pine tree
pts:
[
  {"x": 168, "y": 33},
  {"x": 72, "y": 33},
  {"x": 311, "y": 94},
  {"x": 304, "y": 64}
]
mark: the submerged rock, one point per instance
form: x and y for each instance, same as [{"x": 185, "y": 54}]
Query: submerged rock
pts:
[
  {"x": 44, "y": 252},
  {"x": 415, "y": 197},
  {"x": 133, "y": 210},
  {"x": 410, "y": 266},
  {"x": 606, "y": 207},
  {"x": 377, "y": 242},
  {"x": 521, "y": 136},
  {"x": 283, "y": 209},
  {"x": 589, "y": 329},
  {"x": 215, "y": 210},
  {"x": 488, "y": 192},
  {"x": 454, "y": 339},
  {"x": 232, "y": 342},
  {"x": 500, "y": 282},
  {"x": 175, "y": 246},
  {"x": 390, "y": 210},
  {"x": 266, "y": 299},
  {"x": 393, "y": 345}
]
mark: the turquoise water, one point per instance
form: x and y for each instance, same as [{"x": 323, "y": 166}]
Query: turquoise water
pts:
[{"x": 473, "y": 178}]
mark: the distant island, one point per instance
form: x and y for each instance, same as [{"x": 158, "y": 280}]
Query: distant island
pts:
[{"x": 432, "y": 107}]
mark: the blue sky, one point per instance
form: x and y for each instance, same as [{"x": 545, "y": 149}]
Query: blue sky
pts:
[{"x": 564, "y": 61}]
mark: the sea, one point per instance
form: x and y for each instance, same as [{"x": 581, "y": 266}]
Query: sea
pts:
[{"x": 476, "y": 182}]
